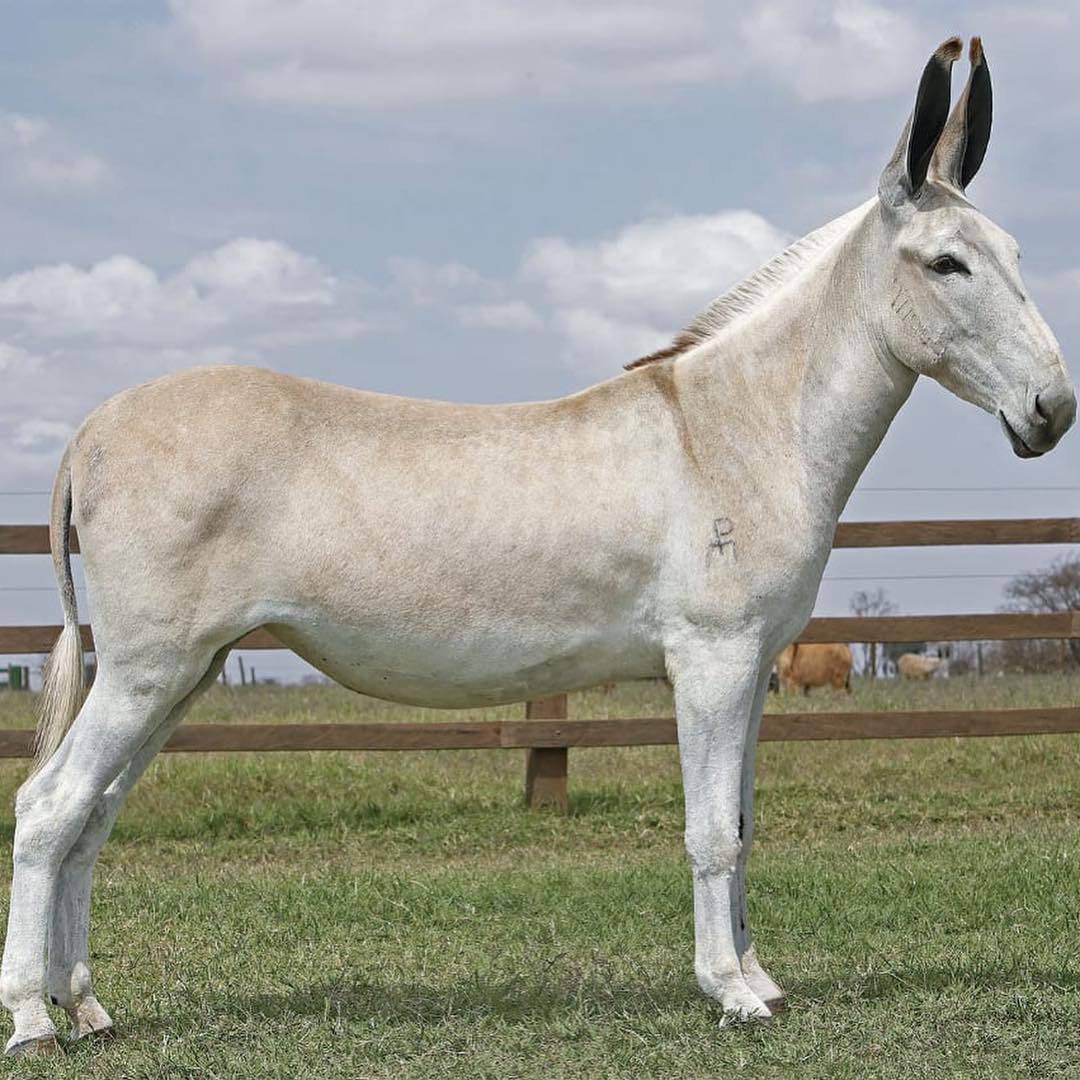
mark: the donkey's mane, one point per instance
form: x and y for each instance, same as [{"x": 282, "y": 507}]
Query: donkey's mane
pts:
[{"x": 749, "y": 292}]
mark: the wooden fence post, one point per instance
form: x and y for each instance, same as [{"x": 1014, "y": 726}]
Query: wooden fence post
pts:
[{"x": 546, "y": 767}]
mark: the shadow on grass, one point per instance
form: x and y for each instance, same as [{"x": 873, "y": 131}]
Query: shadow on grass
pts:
[{"x": 357, "y": 997}]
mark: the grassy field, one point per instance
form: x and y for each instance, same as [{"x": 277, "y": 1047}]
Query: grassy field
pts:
[{"x": 353, "y": 915}]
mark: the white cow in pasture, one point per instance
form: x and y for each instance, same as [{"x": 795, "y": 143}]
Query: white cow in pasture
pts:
[{"x": 915, "y": 667}]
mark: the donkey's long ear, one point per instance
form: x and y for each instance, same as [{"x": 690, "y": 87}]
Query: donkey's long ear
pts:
[
  {"x": 962, "y": 145},
  {"x": 904, "y": 175}
]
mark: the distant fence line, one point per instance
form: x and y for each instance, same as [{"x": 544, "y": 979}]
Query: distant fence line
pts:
[{"x": 547, "y": 733}]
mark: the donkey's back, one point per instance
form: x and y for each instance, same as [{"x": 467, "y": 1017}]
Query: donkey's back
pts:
[{"x": 382, "y": 538}]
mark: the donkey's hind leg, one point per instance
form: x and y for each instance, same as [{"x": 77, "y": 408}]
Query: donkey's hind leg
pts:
[
  {"x": 70, "y": 983},
  {"x": 123, "y": 709}
]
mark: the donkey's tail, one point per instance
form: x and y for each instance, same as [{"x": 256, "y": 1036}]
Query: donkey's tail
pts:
[{"x": 61, "y": 694}]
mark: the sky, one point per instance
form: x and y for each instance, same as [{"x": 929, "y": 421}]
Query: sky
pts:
[{"x": 493, "y": 200}]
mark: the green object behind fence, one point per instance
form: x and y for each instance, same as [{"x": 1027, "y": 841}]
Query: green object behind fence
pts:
[{"x": 18, "y": 677}]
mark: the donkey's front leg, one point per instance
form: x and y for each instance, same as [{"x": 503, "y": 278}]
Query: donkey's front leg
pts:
[
  {"x": 755, "y": 974},
  {"x": 716, "y": 683}
]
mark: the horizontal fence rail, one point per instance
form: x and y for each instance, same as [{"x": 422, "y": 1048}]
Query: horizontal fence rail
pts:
[
  {"x": 975, "y": 532},
  {"x": 562, "y": 734},
  {"x": 547, "y": 733}
]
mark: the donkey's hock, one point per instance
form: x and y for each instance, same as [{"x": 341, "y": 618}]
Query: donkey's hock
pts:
[{"x": 675, "y": 519}]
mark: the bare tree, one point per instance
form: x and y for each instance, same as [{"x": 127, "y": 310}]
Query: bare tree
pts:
[
  {"x": 1055, "y": 588},
  {"x": 868, "y": 604}
]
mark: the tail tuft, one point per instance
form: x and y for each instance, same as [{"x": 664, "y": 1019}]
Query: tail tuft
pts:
[{"x": 61, "y": 695}]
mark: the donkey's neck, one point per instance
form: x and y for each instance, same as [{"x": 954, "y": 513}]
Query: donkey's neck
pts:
[{"x": 801, "y": 382}]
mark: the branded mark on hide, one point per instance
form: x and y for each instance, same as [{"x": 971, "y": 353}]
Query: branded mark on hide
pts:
[{"x": 722, "y": 542}]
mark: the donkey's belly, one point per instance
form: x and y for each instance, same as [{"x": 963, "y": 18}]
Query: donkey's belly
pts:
[{"x": 468, "y": 669}]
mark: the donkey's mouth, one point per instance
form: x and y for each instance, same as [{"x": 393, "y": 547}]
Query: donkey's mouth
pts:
[{"x": 1020, "y": 448}]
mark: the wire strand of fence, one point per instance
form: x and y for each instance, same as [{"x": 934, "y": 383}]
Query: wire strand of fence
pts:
[{"x": 990, "y": 489}]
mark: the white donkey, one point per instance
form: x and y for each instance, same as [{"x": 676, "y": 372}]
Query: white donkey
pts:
[{"x": 674, "y": 519}]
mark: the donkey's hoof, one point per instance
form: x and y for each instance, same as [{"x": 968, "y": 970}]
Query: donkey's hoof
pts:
[
  {"x": 39, "y": 1046},
  {"x": 90, "y": 1021},
  {"x": 89, "y": 1034},
  {"x": 741, "y": 1007},
  {"x": 777, "y": 1004}
]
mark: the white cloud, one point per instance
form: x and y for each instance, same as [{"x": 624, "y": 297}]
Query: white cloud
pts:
[
  {"x": 247, "y": 291},
  {"x": 371, "y": 55},
  {"x": 620, "y": 297},
  {"x": 662, "y": 265},
  {"x": 849, "y": 50},
  {"x": 33, "y": 155},
  {"x": 39, "y": 435}
]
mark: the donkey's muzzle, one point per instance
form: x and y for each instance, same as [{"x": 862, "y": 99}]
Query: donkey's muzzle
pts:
[{"x": 1053, "y": 412}]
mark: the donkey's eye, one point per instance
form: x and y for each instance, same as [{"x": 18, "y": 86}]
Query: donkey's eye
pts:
[{"x": 946, "y": 264}]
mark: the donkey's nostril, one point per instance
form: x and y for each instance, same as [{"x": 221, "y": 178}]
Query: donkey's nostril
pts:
[{"x": 1053, "y": 411}]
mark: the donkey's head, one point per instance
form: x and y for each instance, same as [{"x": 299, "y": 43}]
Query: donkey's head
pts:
[{"x": 954, "y": 305}]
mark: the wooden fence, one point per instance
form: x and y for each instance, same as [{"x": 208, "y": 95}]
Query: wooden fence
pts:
[{"x": 547, "y": 733}]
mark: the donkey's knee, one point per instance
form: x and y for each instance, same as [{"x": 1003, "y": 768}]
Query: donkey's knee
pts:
[
  {"x": 713, "y": 849},
  {"x": 49, "y": 818}
]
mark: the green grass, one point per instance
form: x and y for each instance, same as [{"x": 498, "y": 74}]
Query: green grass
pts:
[{"x": 353, "y": 915}]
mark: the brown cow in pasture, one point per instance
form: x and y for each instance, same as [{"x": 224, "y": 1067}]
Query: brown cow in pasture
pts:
[{"x": 806, "y": 666}]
